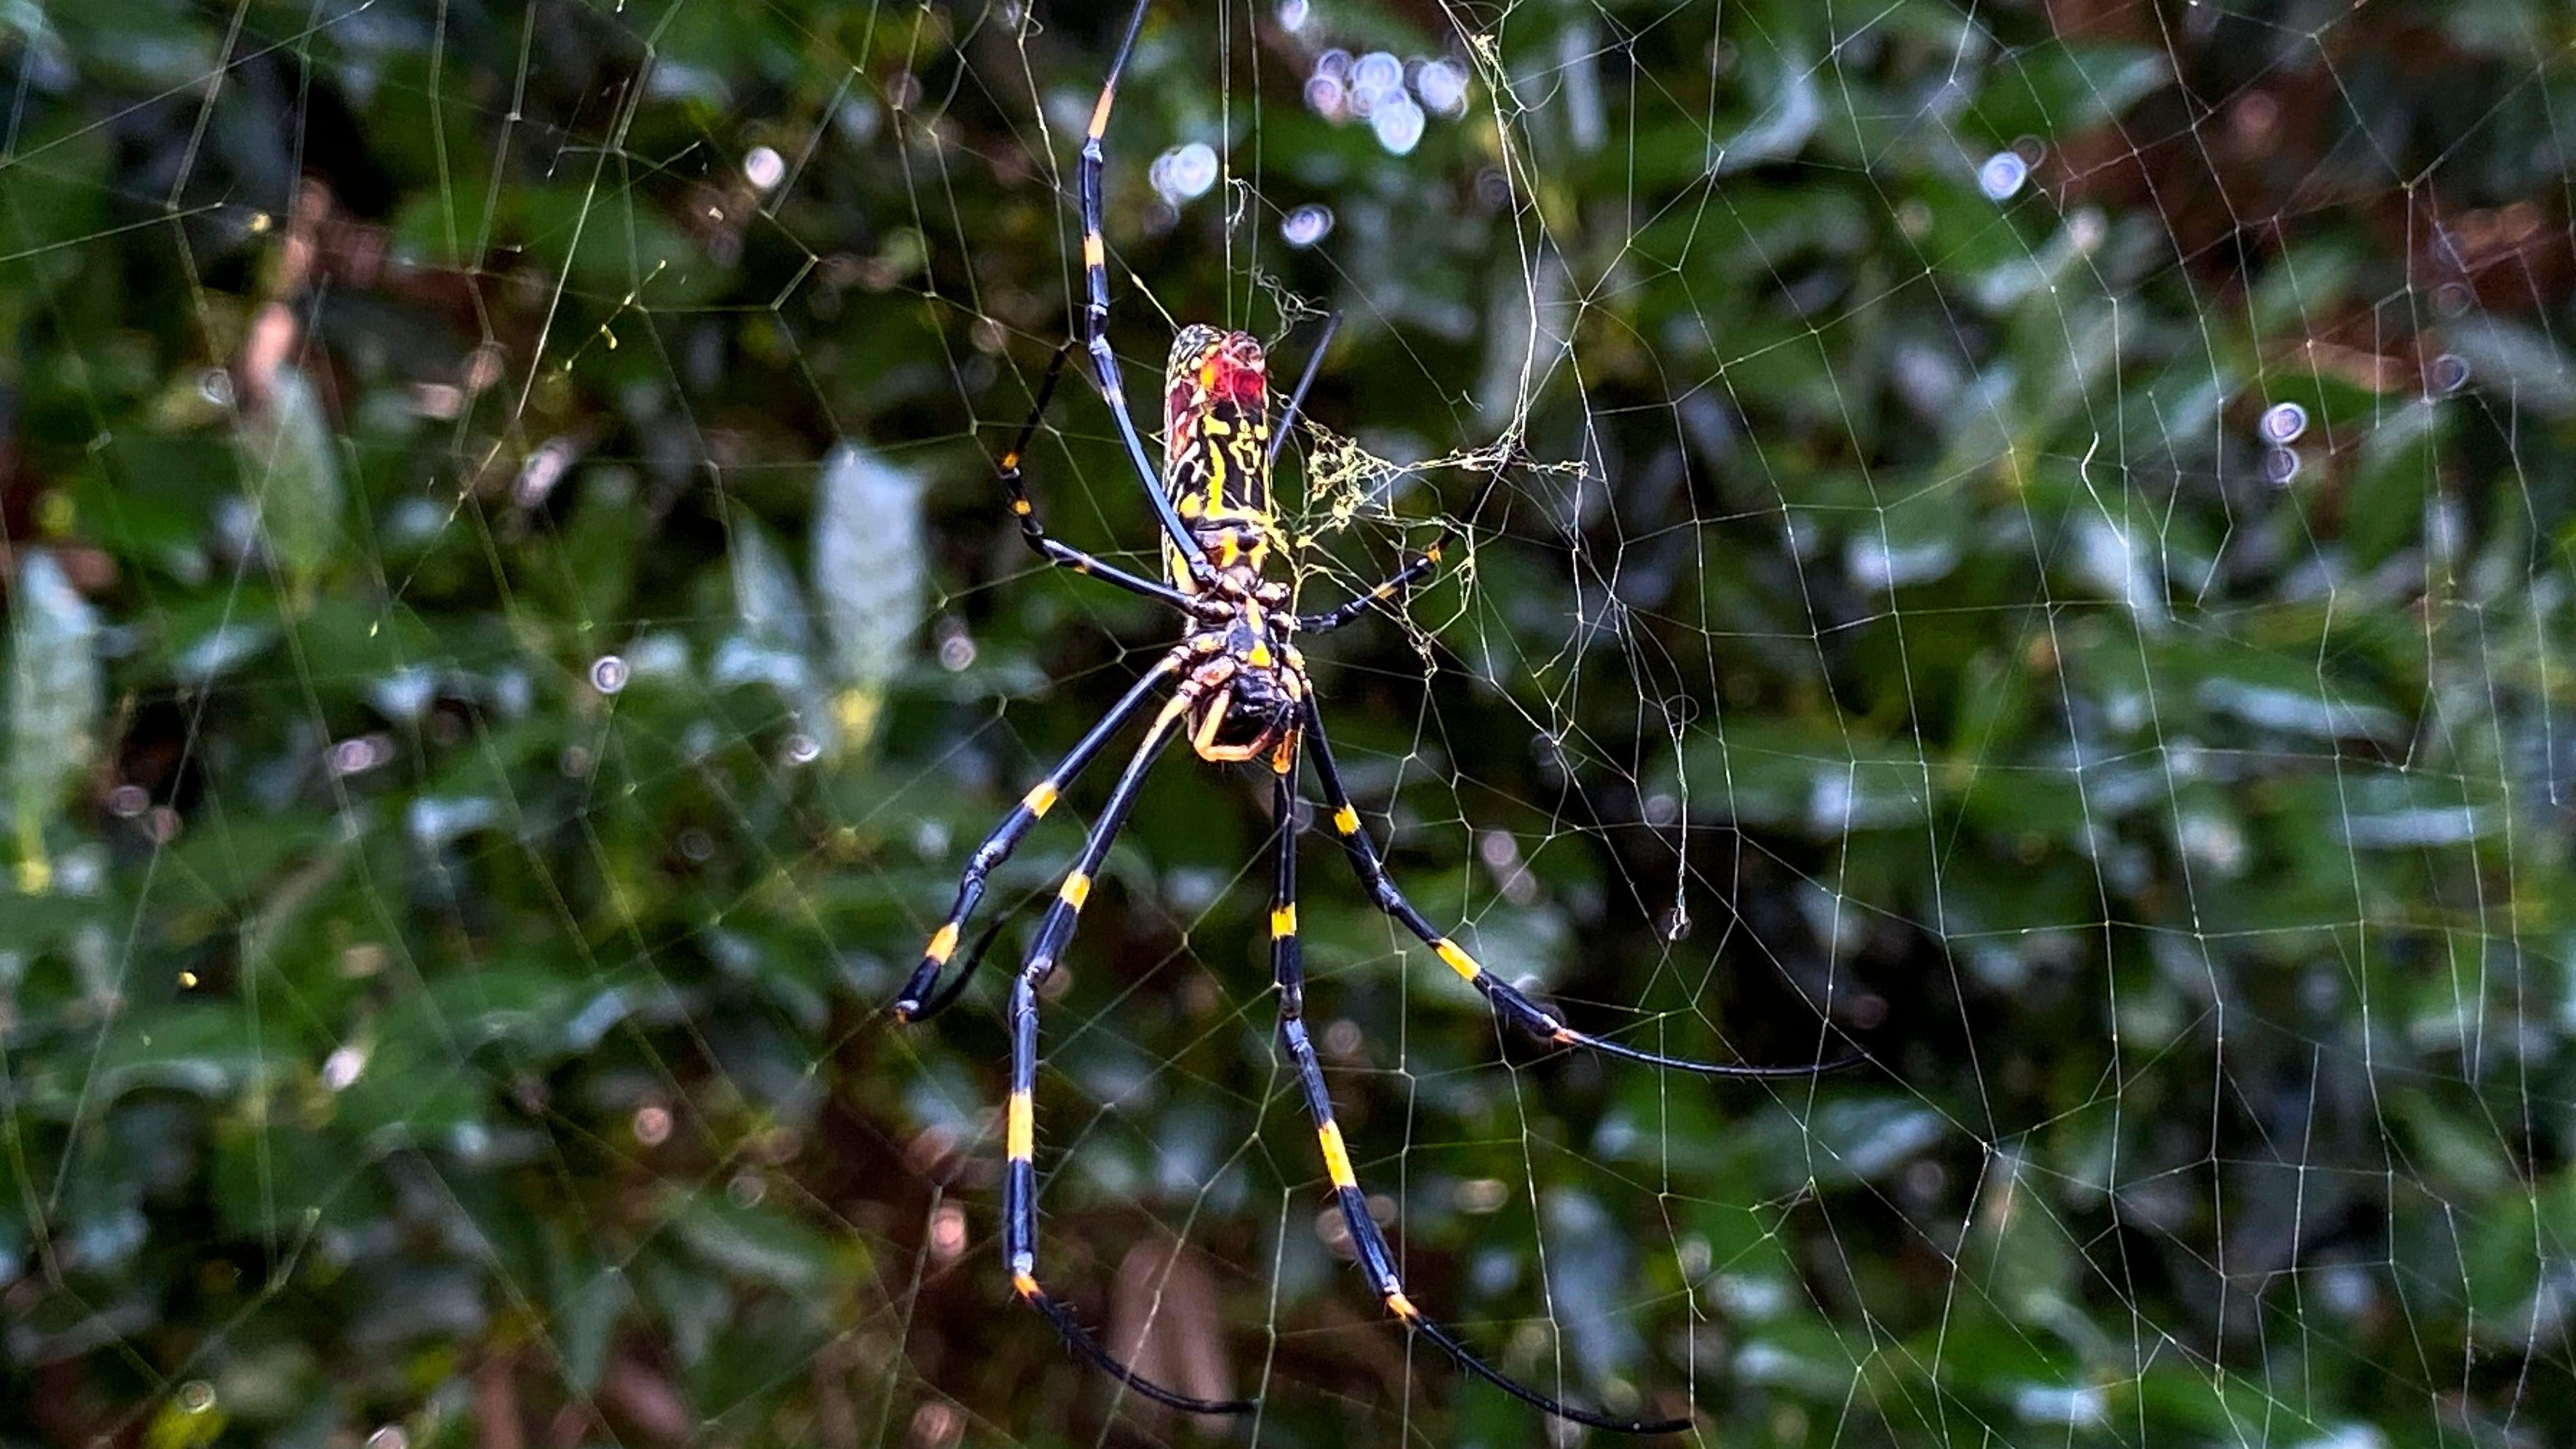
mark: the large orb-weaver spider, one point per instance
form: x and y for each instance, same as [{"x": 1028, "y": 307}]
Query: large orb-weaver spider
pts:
[{"x": 1240, "y": 685}]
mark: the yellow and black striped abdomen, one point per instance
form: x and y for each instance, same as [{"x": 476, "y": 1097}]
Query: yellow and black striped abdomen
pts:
[{"x": 1216, "y": 439}]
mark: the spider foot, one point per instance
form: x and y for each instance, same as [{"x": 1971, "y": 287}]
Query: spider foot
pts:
[{"x": 1025, "y": 1284}]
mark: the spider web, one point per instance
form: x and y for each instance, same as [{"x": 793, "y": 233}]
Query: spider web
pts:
[{"x": 2035, "y": 545}]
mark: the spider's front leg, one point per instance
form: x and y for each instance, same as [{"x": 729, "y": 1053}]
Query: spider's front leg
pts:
[
  {"x": 1376, "y": 1258},
  {"x": 1088, "y": 181},
  {"x": 1032, "y": 532},
  {"x": 1508, "y": 1001}
]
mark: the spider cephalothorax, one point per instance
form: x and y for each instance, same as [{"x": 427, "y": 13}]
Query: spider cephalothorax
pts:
[{"x": 1241, "y": 689}]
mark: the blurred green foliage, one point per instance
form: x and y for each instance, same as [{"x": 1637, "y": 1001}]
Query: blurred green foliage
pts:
[{"x": 511, "y": 635}]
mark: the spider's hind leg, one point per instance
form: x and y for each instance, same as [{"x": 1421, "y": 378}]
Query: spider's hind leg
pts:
[
  {"x": 1509, "y": 1002},
  {"x": 1019, "y": 1172},
  {"x": 1376, "y": 1259}
]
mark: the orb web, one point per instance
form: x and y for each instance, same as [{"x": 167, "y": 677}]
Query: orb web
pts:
[{"x": 2032, "y": 543}]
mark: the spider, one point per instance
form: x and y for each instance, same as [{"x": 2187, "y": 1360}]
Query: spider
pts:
[{"x": 1239, "y": 691}]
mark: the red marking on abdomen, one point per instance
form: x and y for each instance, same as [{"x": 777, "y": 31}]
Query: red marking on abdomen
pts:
[{"x": 1245, "y": 387}]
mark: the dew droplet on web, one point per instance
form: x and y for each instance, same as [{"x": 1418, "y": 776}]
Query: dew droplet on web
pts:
[
  {"x": 361, "y": 754},
  {"x": 2002, "y": 175},
  {"x": 763, "y": 168},
  {"x": 1442, "y": 87},
  {"x": 2449, "y": 372},
  {"x": 390, "y": 1436},
  {"x": 947, "y": 1232},
  {"x": 2283, "y": 422},
  {"x": 2280, "y": 465},
  {"x": 1306, "y": 225},
  {"x": 544, "y": 469},
  {"x": 1326, "y": 98},
  {"x": 1376, "y": 79},
  {"x": 1293, "y": 15},
  {"x": 1184, "y": 173},
  {"x": 196, "y": 1396},
  {"x": 340, "y": 1069},
  {"x": 803, "y": 749},
  {"x": 652, "y": 1125},
  {"x": 608, "y": 674},
  {"x": 1398, "y": 124}
]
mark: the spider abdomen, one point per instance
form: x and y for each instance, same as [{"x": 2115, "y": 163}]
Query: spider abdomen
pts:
[{"x": 1216, "y": 449}]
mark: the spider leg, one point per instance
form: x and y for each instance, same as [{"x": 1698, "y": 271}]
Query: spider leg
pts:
[
  {"x": 1095, "y": 312},
  {"x": 1062, "y": 554},
  {"x": 1409, "y": 575},
  {"x": 914, "y": 1003},
  {"x": 1020, "y": 1179},
  {"x": 1297, "y": 399},
  {"x": 1513, "y": 1005},
  {"x": 1376, "y": 1259},
  {"x": 966, "y": 965}
]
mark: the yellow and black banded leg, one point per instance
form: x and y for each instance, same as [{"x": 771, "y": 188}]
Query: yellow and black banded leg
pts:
[
  {"x": 1509, "y": 1002},
  {"x": 1376, "y": 1259},
  {"x": 1061, "y": 554},
  {"x": 1409, "y": 575},
  {"x": 1095, "y": 312},
  {"x": 1019, "y": 1170},
  {"x": 915, "y": 1003}
]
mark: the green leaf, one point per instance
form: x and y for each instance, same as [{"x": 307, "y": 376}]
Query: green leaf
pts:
[
  {"x": 756, "y": 1242},
  {"x": 869, "y": 573},
  {"x": 2399, "y": 473},
  {"x": 55, "y": 696},
  {"x": 291, "y": 470}
]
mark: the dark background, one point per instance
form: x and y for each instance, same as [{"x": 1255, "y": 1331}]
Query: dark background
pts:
[{"x": 512, "y": 635}]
